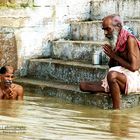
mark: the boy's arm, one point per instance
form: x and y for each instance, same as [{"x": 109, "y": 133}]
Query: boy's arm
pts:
[{"x": 20, "y": 92}]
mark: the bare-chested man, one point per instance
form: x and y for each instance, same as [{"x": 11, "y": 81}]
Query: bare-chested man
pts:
[
  {"x": 9, "y": 90},
  {"x": 124, "y": 53}
]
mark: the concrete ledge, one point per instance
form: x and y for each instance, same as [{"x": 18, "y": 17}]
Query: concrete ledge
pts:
[
  {"x": 88, "y": 30},
  {"x": 72, "y": 94},
  {"x": 92, "y": 30},
  {"x": 76, "y": 50},
  {"x": 125, "y": 8},
  {"x": 66, "y": 71}
]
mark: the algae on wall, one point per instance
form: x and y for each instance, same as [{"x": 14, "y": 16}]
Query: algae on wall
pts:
[{"x": 16, "y": 3}]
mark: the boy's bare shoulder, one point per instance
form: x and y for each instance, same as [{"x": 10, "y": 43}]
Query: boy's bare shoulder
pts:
[{"x": 18, "y": 88}]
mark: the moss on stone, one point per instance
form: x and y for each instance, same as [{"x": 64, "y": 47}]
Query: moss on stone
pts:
[{"x": 15, "y": 5}]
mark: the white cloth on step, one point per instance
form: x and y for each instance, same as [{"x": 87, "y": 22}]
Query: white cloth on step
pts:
[{"x": 133, "y": 80}]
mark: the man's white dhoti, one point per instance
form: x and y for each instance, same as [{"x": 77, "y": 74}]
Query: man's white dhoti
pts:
[{"x": 133, "y": 80}]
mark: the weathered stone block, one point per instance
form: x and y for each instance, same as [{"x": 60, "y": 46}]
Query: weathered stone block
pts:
[
  {"x": 31, "y": 43},
  {"x": 27, "y": 18},
  {"x": 8, "y": 49},
  {"x": 75, "y": 50},
  {"x": 67, "y": 8},
  {"x": 128, "y": 9},
  {"x": 80, "y": 13},
  {"x": 66, "y": 71},
  {"x": 92, "y": 30}
]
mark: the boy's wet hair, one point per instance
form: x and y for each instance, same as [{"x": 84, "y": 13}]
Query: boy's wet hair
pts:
[{"x": 5, "y": 69}]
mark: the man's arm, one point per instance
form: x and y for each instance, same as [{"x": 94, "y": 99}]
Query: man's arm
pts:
[
  {"x": 133, "y": 55},
  {"x": 20, "y": 92}
]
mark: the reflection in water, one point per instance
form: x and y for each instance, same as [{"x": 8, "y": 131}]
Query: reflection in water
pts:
[
  {"x": 52, "y": 119},
  {"x": 119, "y": 124},
  {"x": 10, "y": 108}
]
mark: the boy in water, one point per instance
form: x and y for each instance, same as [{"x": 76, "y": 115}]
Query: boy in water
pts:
[{"x": 9, "y": 90}]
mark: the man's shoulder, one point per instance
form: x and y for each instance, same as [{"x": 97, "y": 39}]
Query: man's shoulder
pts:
[
  {"x": 132, "y": 40},
  {"x": 18, "y": 88},
  {"x": 19, "y": 91}
]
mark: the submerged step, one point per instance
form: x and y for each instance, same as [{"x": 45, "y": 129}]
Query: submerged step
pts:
[
  {"x": 92, "y": 30},
  {"x": 72, "y": 94},
  {"x": 66, "y": 71},
  {"x": 77, "y": 50}
]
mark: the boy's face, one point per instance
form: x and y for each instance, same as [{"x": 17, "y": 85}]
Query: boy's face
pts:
[{"x": 7, "y": 78}]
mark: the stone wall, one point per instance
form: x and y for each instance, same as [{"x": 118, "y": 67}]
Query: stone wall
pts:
[
  {"x": 127, "y": 9},
  {"x": 28, "y": 26},
  {"x": 8, "y": 49}
]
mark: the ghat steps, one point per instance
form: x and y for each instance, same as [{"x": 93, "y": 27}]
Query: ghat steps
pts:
[
  {"x": 92, "y": 30},
  {"x": 71, "y": 60},
  {"x": 71, "y": 72},
  {"x": 76, "y": 50},
  {"x": 127, "y": 9},
  {"x": 72, "y": 94}
]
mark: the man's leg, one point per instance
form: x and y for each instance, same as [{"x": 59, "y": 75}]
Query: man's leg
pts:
[
  {"x": 91, "y": 87},
  {"x": 117, "y": 84}
]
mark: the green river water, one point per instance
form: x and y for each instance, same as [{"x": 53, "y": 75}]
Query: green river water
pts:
[{"x": 49, "y": 118}]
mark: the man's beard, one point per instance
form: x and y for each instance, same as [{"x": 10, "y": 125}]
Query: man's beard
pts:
[
  {"x": 8, "y": 83},
  {"x": 112, "y": 41}
]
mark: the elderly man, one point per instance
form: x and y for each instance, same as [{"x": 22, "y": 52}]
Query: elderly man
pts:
[
  {"x": 124, "y": 53},
  {"x": 9, "y": 90}
]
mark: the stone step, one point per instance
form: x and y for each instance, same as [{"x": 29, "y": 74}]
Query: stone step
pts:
[
  {"x": 78, "y": 50},
  {"x": 72, "y": 94},
  {"x": 92, "y": 30},
  {"x": 66, "y": 71},
  {"x": 128, "y": 9}
]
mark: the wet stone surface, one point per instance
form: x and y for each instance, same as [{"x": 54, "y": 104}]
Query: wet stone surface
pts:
[{"x": 72, "y": 94}]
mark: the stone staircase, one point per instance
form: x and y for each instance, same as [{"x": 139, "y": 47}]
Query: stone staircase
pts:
[{"x": 71, "y": 60}]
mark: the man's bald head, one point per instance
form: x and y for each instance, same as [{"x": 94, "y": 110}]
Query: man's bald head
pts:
[
  {"x": 110, "y": 24},
  {"x": 113, "y": 20}
]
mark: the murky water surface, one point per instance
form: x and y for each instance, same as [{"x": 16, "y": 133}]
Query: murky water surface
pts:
[{"x": 47, "y": 118}]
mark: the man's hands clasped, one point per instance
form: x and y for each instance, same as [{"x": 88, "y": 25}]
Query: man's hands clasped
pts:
[{"x": 108, "y": 51}]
